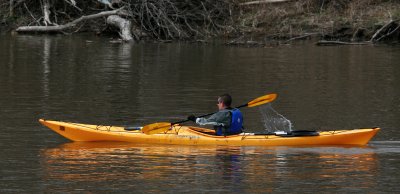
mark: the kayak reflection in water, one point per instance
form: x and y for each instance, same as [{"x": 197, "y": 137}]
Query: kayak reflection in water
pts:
[{"x": 227, "y": 121}]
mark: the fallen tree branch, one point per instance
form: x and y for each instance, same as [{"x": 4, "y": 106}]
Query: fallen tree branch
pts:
[
  {"x": 70, "y": 24},
  {"x": 388, "y": 33},
  {"x": 374, "y": 37},
  {"x": 333, "y": 43},
  {"x": 301, "y": 37}
]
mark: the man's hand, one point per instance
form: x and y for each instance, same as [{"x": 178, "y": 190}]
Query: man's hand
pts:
[{"x": 192, "y": 118}]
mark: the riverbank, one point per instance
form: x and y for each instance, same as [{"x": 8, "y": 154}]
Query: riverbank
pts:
[
  {"x": 238, "y": 22},
  {"x": 341, "y": 21}
]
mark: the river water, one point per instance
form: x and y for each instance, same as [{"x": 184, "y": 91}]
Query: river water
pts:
[{"x": 97, "y": 80}]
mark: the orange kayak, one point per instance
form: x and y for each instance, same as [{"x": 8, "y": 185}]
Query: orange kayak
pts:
[{"x": 189, "y": 135}]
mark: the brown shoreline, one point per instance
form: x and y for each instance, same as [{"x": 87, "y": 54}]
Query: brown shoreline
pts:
[{"x": 252, "y": 23}]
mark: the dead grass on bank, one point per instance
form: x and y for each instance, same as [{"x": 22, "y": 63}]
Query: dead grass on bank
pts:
[{"x": 329, "y": 18}]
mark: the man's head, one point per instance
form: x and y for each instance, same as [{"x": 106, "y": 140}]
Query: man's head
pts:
[{"x": 224, "y": 101}]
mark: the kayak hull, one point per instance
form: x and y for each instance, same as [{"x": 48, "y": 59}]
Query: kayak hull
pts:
[{"x": 188, "y": 135}]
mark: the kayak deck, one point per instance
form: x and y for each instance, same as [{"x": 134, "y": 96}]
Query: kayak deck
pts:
[{"x": 188, "y": 135}]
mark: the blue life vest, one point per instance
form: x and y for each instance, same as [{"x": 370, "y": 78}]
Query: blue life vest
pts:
[{"x": 236, "y": 123}]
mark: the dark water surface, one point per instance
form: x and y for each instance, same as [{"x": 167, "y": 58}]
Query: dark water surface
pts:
[{"x": 95, "y": 80}]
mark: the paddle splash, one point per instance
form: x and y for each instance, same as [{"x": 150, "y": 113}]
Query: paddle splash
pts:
[{"x": 274, "y": 121}]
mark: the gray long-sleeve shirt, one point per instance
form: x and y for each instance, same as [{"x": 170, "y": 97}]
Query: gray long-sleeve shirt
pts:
[{"x": 220, "y": 118}]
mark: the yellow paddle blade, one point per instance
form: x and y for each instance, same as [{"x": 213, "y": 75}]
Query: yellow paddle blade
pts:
[
  {"x": 156, "y": 128},
  {"x": 262, "y": 100}
]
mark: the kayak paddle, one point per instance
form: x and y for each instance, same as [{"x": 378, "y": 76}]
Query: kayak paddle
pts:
[{"x": 164, "y": 126}]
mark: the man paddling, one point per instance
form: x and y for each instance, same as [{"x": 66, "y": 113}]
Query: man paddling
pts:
[{"x": 227, "y": 121}]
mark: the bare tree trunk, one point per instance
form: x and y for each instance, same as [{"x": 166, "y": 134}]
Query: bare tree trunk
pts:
[
  {"x": 124, "y": 26},
  {"x": 46, "y": 13}
]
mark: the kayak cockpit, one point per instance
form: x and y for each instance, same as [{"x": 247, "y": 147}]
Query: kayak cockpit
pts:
[{"x": 202, "y": 130}]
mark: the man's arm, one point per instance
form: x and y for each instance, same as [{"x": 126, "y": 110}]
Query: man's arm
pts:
[{"x": 217, "y": 119}]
